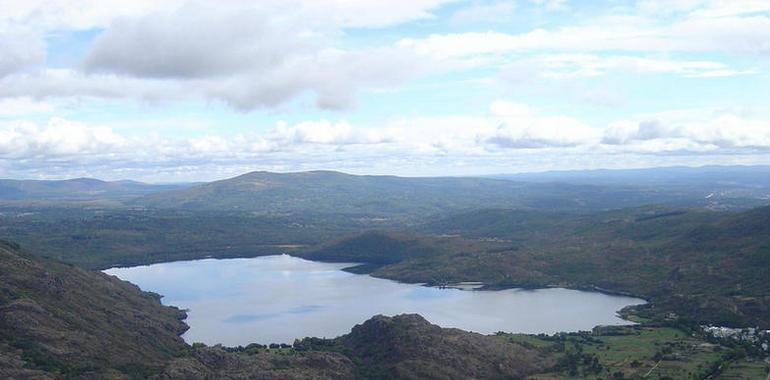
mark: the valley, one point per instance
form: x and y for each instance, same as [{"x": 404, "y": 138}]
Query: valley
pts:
[{"x": 695, "y": 260}]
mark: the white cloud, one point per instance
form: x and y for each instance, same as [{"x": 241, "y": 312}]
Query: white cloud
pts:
[
  {"x": 522, "y": 128},
  {"x": 70, "y": 83},
  {"x": 19, "y": 51},
  {"x": 508, "y": 134},
  {"x": 727, "y": 132},
  {"x": 552, "y": 5},
  {"x": 252, "y": 55},
  {"x": 326, "y": 132},
  {"x": 746, "y": 35},
  {"x": 373, "y": 13},
  {"x": 201, "y": 42},
  {"x": 247, "y": 54},
  {"x": 24, "y": 106},
  {"x": 485, "y": 11},
  {"x": 558, "y": 66},
  {"x": 506, "y": 129},
  {"x": 24, "y": 140},
  {"x": 88, "y": 14}
]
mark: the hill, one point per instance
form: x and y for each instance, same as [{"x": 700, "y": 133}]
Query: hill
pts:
[
  {"x": 338, "y": 193},
  {"x": 709, "y": 267},
  {"x": 61, "y": 320},
  {"x": 77, "y": 189},
  {"x": 409, "y": 347}
]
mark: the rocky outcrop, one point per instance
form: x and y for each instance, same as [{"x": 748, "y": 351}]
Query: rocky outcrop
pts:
[{"x": 407, "y": 346}]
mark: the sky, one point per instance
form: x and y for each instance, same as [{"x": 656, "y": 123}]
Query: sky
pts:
[{"x": 177, "y": 90}]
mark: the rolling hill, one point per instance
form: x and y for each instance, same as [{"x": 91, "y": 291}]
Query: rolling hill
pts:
[{"x": 339, "y": 193}]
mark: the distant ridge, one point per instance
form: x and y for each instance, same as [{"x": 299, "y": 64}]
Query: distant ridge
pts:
[
  {"x": 714, "y": 174},
  {"x": 77, "y": 189},
  {"x": 335, "y": 192}
]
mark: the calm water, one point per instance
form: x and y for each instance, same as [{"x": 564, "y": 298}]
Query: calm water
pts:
[{"x": 280, "y": 298}]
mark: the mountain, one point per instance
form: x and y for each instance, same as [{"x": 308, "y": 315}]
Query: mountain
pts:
[
  {"x": 387, "y": 196},
  {"x": 58, "y": 320},
  {"x": 77, "y": 189}
]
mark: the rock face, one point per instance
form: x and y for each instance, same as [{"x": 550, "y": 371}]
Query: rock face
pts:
[
  {"x": 407, "y": 346},
  {"x": 70, "y": 322}
]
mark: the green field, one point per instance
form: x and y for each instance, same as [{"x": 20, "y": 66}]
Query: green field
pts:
[{"x": 641, "y": 352}]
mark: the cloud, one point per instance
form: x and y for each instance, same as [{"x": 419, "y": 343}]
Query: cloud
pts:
[
  {"x": 255, "y": 55},
  {"x": 703, "y": 8},
  {"x": 487, "y": 11},
  {"x": 522, "y": 128},
  {"x": 509, "y": 136},
  {"x": 552, "y": 5},
  {"x": 89, "y": 14},
  {"x": 373, "y": 13},
  {"x": 558, "y": 66},
  {"x": 20, "y": 51},
  {"x": 725, "y": 133},
  {"x": 734, "y": 34},
  {"x": 326, "y": 132},
  {"x": 201, "y": 42},
  {"x": 334, "y": 76},
  {"x": 260, "y": 56},
  {"x": 507, "y": 130},
  {"x": 23, "y": 106},
  {"x": 67, "y": 83},
  {"x": 60, "y": 138},
  {"x": 247, "y": 54}
]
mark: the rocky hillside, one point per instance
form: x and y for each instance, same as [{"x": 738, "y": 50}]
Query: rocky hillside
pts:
[
  {"x": 409, "y": 347},
  {"x": 56, "y": 319}
]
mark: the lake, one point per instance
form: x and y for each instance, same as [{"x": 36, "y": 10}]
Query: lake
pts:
[{"x": 275, "y": 299}]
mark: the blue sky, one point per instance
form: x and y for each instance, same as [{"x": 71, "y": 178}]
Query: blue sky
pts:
[{"x": 191, "y": 90}]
